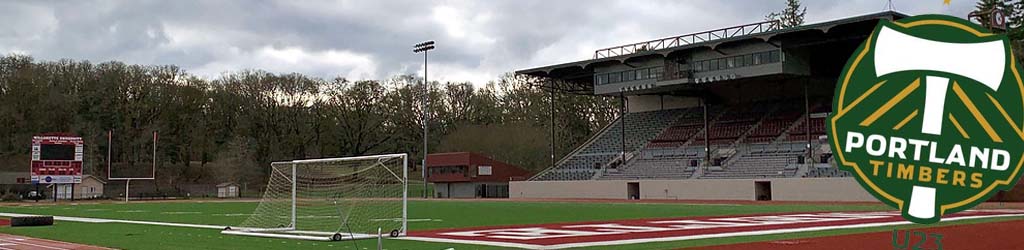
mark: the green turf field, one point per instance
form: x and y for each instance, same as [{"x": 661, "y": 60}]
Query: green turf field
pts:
[{"x": 441, "y": 214}]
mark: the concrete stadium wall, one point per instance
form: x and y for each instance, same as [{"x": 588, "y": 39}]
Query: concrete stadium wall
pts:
[
  {"x": 819, "y": 189},
  {"x": 697, "y": 189},
  {"x": 789, "y": 189},
  {"x": 455, "y": 190},
  {"x": 568, "y": 189},
  {"x": 643, "y": 103}
]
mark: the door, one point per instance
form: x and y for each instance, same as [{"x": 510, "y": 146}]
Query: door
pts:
[
  {"x": 763, "y": 190},
  {"x": 633, "y": 190}
]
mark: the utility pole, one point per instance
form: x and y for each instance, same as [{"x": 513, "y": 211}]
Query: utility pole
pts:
[{"x": 424, "y": 47}]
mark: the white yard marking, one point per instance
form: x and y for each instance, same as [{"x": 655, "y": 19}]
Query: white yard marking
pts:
[
  {"x": 232, "y": 215},
  {"x": 94, "y": 220},
  {"x": 181, "y": 212}
]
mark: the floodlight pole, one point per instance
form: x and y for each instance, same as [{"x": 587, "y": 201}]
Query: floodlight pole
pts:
[
  {"x": 424, "y": 47},
  {"x": 426, "y": 121}
]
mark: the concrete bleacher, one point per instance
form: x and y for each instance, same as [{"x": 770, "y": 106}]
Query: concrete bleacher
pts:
[
  {"x": 764, "y": 139},
  {"x": 826, "y": 171},
  {"x": 735, "y": 122},
  {"x": 688, "y": 125},
  {"x": 776, "y": 123},
  {"x": 817, "y": 124},
  {"x": 762, "y": 161},
  {"x": 578, "y": 167},
  {"x": 659, "y": 164},
  {"x": 640, "y": 128}
]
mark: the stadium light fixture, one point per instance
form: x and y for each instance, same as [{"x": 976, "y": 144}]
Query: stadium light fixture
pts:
[{"x": 424, "y": 47}]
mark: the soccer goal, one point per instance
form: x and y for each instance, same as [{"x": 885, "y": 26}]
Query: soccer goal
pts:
[{"x": 332, "y": 199}]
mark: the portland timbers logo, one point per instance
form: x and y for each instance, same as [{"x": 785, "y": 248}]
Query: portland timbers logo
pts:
[{"x": 928, "y": 114}]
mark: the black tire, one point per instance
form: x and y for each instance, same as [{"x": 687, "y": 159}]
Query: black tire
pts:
[
  {"x": 23, "y": 221},
  {"x": 337, "y": 237},
  {"x": 394, "y": 233}
]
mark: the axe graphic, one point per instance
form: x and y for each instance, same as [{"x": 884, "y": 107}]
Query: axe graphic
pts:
[{"x": 897, "y": 52}]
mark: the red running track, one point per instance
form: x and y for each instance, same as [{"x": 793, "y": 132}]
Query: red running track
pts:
[
  {"x": 15, "y": 242},
  {"x": 604, "y": 233},
  {"x": 993, "y": 235}
]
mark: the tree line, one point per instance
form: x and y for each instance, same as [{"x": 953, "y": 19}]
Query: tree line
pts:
[{"x": 230, "y": 128}]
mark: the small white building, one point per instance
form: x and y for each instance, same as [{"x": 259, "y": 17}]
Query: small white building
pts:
[
  {"x": 227, "y": 190},
  {"x": 90, "y": 188}
]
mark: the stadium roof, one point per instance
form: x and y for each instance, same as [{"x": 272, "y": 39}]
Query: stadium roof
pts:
[{"x": 576, "y": 77}]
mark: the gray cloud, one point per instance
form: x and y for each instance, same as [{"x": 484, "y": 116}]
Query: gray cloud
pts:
[{"x": 477, "y": 40}]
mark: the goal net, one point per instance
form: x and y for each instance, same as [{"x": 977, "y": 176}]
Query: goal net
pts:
[{"x": 332, "y": 199}]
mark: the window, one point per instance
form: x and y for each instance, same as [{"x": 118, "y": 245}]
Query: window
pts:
[
  {"x": 484, "y": 170},
  {"x": 643, "y": 74},
  {"x": 656, "y": 72},
  {"x": 615, "y": 77},
  {"x": 602, "y": 79},
  {"x": 739, "y": 61},
  {"x": 628, "y": 76}
]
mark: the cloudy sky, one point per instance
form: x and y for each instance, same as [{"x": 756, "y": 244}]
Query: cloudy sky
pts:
[{"x": 367, "y": 39}]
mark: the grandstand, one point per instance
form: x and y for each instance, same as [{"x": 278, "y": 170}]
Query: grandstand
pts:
[{"x": 744, "y": 102}]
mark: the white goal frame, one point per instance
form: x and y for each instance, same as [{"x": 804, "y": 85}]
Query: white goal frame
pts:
[
  {"x": 128, "y": 180},
  {"x": 290, "y": 232}
]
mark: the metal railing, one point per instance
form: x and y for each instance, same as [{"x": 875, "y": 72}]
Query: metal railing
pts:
[{"x": 688, "y": 39}]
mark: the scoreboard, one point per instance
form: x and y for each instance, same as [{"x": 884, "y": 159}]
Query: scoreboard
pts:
[{"x": 57, "y": 159}]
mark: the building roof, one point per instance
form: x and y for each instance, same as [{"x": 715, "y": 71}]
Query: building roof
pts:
[
  {"x": 500, "y": 171},
  {"x": 583, "y": 70},
  {"x": 94, "y": 177},
  {"x": 225, "y": 184}
]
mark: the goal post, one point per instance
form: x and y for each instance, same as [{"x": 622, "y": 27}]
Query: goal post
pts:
[
  {"x": 332, "y": 199},
  {"x": 129, "y": 162}
]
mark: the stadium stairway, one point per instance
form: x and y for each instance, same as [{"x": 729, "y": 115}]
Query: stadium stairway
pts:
[{"x": 667, "y": 155}]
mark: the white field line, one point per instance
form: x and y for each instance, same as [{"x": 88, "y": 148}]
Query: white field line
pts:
[
  {"x": 689, "y": 237},
  {"x": 474, "y": 242},
  {"x": 181, "y": 212},
  {"x": 94, "y": 220},
  {"x": 232, "y": 215},
  {"x": 131, "y": 211}
]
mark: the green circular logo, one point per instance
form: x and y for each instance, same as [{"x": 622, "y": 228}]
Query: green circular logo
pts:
[{"x": 927, "y": 115}]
